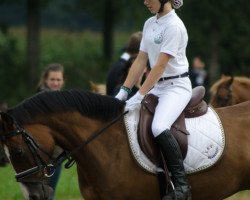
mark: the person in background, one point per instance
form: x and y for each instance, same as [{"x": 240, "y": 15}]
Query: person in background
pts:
[
  {"x": 164, "y": 42},
  {"x": 52, "y": 79},
  {"x": 119, "y": 69},
  {"x": 198, "y": 74}
]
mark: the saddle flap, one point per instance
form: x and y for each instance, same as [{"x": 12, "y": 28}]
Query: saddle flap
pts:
[
  {"x": 145, "y": 135},
  {"x": 150, "y": 102}
]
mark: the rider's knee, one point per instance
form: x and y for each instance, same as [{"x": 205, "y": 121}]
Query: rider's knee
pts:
[{"x": 158, "y": 129}]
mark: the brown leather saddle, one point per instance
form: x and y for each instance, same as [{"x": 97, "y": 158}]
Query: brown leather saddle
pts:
[{"x": 196, "y": 107}]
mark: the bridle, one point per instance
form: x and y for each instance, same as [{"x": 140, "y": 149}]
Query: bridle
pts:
[
  {"x": 48, "y": 169},
  {"x": 41, "y": 165},
  {"x": 224, "y": 100}
]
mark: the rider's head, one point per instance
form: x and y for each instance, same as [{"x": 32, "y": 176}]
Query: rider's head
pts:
[{"x": 175, "y": 4}]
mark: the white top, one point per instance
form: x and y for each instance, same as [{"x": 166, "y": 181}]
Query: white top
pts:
[{"x": 167, "y": 34}]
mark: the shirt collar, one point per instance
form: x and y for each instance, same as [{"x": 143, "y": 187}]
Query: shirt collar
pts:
[{"x": 164, "y": 17}]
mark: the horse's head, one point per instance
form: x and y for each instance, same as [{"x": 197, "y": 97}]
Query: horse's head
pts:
[
  {"x": 27, "y": 158},
  {"x": 3, "y": 157},
  {"x": 221, "y": 92}
]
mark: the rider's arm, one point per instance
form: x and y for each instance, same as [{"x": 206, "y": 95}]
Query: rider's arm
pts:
[
  {"x": 155, "y": 74},
  {"x": 136, "y": 69}
]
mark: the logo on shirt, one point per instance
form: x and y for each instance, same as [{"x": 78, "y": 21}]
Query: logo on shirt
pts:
[{"x": 158, "y": 38}]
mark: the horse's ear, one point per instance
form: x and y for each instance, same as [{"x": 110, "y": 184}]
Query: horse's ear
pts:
[
  {"x": 230, "y": 81},
  {"x": 93, "y": 86},
  {"x": 6, "y": 119}
]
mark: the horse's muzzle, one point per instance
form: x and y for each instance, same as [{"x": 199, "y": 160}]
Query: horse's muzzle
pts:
[{"x": 39, "y": 191}]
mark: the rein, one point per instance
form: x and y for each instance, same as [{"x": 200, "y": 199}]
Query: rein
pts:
[
  {"x": 49, "y": 169},
  {"x": 68, "y": 155}
]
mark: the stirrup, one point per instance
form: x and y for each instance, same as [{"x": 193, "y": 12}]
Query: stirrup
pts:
[{"x": 189, "y": 197}]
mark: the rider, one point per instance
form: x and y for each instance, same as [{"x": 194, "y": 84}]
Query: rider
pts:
[{"x": 164, "y": 43}]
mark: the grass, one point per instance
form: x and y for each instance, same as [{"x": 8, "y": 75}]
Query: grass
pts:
[
  {"x": 245, "y": 195},
  {"x": 67, "y": 188}
]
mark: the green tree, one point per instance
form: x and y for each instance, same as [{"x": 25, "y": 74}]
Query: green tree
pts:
[{"x": 219, "y": 32}]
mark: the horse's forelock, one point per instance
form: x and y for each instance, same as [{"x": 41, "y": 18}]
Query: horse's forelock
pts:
[{"x": 217, "y": 83}]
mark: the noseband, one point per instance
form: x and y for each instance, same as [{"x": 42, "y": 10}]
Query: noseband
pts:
[{"x": 49, "y": 169}]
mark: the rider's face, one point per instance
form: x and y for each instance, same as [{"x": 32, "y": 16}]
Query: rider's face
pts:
[{"x": 152, "y": 5}]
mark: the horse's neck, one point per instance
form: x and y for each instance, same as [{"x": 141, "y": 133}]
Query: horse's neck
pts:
[
  {"x": 241, "y": 92},
  {"x": 72, "y": 131},
  {"x": 105, "y": 161}
]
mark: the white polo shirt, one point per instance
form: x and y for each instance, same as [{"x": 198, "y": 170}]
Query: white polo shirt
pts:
[{"x": 167, "y": 34}]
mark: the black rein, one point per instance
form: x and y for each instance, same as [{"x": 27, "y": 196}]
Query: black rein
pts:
[{"x": 49, "y": 169}]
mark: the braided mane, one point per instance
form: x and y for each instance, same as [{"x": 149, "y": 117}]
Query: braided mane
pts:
[{"x": 87, "y": 103}]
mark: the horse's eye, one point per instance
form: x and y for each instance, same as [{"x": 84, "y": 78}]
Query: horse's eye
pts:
[{"x": 17, "y": 152}]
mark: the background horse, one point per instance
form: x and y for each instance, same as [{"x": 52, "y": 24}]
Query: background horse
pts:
[
  {"x": 98, "y": 88},
  {"x": 230, "y": 90},
  {"x": 77, "y": 122}
]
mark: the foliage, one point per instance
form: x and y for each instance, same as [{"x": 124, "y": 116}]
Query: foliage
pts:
[
  {"x": 79, "y": 52},
  {"x": 11, "y": 64},
  {"x": 230, "y": 20}
]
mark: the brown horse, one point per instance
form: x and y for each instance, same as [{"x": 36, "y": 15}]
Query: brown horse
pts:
[
  {"x": 98, "y": 88},
  {"x": 91, "y": 130},
  {"x": 3, "y": 158},
  {"x": 229, "y": 90}
]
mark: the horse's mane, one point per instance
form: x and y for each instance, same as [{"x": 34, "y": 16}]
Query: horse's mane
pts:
[
  {"x": 241, "y": 79},
  {"x": 87, "y": 103}
]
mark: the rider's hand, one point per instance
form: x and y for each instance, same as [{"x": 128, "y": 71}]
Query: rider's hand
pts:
[
  {"x": 134, "y": 101},
  {"x": 123, "y": 93}
]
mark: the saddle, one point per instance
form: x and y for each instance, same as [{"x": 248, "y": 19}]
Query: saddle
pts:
[{"x": 196, "y": 107}]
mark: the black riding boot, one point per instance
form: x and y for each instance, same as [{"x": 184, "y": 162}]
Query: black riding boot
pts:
[{"x": 174, "y": 160}]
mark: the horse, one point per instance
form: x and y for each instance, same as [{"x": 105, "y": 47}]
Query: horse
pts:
[
  {"x": 3, "y": 159},
  {"x": 98, "y": 88},
  {"x": 230, "y": 90},
  {"x": 91, "y": 130}
]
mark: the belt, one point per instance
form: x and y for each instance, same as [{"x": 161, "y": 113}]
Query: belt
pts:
[{"x": 186, "y": 74}]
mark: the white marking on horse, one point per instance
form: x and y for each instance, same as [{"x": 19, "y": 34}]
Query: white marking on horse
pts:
[
  {"x": 24, "y": 191},
  {"x": 7, "y": 152},
  {"x": 22, "y": 186}
]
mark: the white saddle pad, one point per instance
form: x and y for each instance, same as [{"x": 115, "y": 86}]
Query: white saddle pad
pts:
[{"x": 206, "y": 142}]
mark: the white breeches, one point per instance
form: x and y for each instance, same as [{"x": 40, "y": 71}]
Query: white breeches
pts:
[{"x": 174, "y": 95}]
